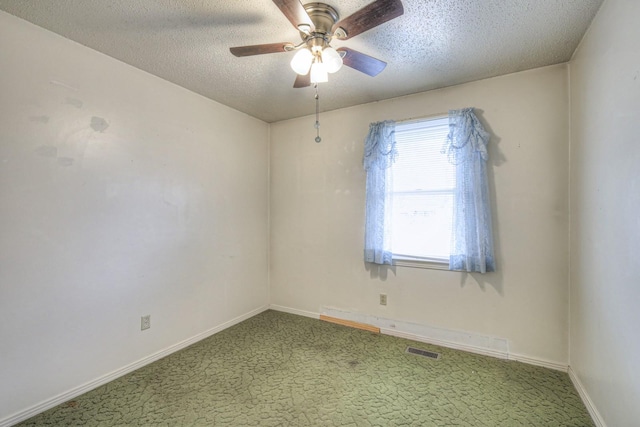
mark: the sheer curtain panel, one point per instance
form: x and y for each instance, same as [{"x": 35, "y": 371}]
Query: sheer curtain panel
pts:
[
  {"x": 472, "y": 238},
  {"x": 379, "y": 154}
]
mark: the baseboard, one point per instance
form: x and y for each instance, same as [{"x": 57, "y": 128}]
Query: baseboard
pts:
[
  {"x": 294, "y": 311},
  {"x": 445, "y": 343},
  {"x": 77, "y": 391},
  {"x": 593, "y": 411},
  {"x": 459, "y": 340},
  {"x": 539, "y": 362},
  {"x": 498, "y": 349}
]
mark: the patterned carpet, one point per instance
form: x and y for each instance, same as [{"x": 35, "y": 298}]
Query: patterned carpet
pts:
[{"x": 277, "y": 369}]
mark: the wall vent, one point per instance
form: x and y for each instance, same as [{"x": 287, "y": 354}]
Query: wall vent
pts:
[{"x": 423, "y": 353}]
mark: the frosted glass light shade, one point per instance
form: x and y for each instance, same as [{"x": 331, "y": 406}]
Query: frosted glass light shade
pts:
[
  {"x": 319, "y": 73},
  {"x": 301, "y": 61},
  {"x": 331, "y": 59}
]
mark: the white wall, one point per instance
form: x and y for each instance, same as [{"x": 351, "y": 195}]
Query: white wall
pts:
[
  {"x": 317, "y": 217},
  {"x": 605, "y": 213},
  {"x": 121, "y": 195}
]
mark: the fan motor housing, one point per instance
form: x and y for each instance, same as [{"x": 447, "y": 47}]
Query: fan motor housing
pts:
[{"x": 323, "y": 17}]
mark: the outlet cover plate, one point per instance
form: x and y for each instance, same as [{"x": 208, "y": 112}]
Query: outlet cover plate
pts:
[{"x": 145, "y": 322}]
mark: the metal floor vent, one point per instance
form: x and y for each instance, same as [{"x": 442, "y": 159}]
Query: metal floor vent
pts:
[{"x": 423, "y": 353}]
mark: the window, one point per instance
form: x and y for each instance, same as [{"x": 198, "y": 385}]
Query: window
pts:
[
  {"x": 421, "y": 185},
  {"x": 422, "y": 206}
]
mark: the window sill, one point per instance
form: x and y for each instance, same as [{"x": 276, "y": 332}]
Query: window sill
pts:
[{"x": 432, "y": 264}]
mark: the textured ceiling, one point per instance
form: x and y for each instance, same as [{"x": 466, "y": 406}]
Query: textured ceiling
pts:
[{"x": 436, "y": 43}]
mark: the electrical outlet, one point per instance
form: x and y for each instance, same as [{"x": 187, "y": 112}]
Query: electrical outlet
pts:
[
  {"x": 383, "y": 299},
  {"x": 145, "y": 322}
]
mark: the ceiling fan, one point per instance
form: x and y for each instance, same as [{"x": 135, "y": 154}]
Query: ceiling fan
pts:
[{"x": 318, "y": 24}]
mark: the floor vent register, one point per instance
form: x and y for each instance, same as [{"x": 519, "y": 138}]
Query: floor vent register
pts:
[{"x": 423, "y": 353}]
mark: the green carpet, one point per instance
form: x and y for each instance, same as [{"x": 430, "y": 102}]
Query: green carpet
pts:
[{"x": 277, "y": 369}]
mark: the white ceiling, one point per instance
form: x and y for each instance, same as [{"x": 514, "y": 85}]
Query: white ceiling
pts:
[{"x": 436, "y": 43}]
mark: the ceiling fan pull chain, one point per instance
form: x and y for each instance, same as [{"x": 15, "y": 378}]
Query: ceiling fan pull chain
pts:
[{"x": 317, "y": 125}]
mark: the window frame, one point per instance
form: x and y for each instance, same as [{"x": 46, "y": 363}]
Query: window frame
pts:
[{"x": 413, "y": 261}]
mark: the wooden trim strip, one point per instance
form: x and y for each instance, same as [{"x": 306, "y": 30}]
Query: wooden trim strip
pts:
[{"x": 350, "y": 324}]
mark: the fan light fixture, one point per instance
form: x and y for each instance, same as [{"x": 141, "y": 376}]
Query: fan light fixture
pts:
[
  {"x": 301, "y": 62},
  {"x": 319, "y": 61},
  {"x": 319, "y": 72},
  {"x": 318, "y": 24}
]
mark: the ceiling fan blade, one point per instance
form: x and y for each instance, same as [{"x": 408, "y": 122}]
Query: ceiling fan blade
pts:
[
  {"x": 361, "y": 62},
  {"x": 259, "y": 49},
  {"x": 372, "y": 15},
  {"x": 295, "y": 13},
  {"x": 302, "y": 81}
]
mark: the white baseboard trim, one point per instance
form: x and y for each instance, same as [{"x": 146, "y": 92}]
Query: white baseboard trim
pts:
[
  {"x": 563, "y": 367},
  {"x": 77, "y": 391},
  {"x": 294, "y": 311},
  {"x": 593, "y": 411},
  {"x": 408, "y": 331},
  {"x": 444, "y": 343},
  {"x": 459, "y": 340}
]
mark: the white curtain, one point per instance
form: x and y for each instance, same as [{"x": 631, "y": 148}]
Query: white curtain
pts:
[
  {"x": 379, "y": 154},
  {"x": 472, "y": 238}
]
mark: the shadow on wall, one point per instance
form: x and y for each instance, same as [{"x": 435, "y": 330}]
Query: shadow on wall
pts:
[
  {"x": 377, "y": 271},
  {"x": 493, "y": 279},
  {"x": 381, "y": 272},
  {"x": 496, "y": 156}
]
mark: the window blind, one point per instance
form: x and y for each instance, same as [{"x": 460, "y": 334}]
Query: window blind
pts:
[{"x": 422, "y": 183}]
